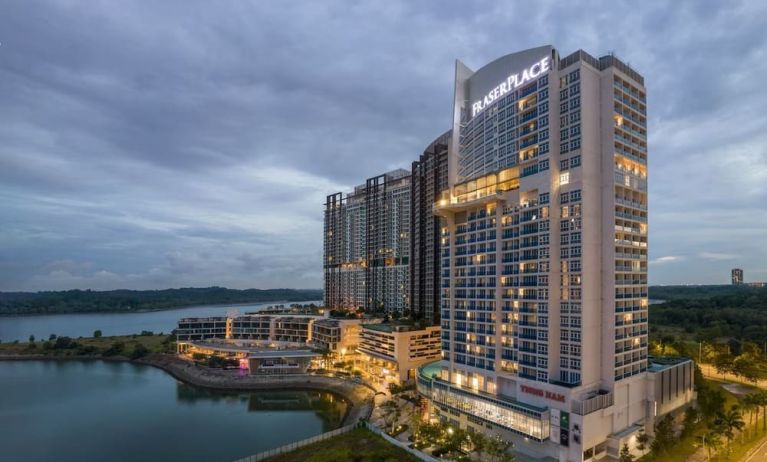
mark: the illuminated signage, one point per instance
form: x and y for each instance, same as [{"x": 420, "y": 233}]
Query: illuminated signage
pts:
[
  {"x": 543, "y": 393},
  {"x": 511, "y": 83}
]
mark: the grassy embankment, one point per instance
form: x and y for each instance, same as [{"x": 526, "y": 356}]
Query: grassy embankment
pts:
[
  {"x": 359, "y": 445},
  {"x": 122, "y": 346}
]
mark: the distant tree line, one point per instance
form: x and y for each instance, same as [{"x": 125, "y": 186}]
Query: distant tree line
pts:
[
  {"x": 88, "y": 301},
  {"x": 708, "y": 313}
]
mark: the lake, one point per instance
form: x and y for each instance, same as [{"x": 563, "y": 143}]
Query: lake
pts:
[
  {"x": 83, "y": 324},
  {"x": 95, "y": 410}
]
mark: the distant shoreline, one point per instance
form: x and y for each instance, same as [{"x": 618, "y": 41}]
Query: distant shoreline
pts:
[{"x": 154, "y": 310}]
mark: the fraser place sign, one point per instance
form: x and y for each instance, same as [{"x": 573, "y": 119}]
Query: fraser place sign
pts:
[{"x": 511, "y": 83}]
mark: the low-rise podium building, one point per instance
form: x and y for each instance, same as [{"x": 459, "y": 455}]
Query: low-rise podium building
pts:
[{"x": 392, "y": 352}]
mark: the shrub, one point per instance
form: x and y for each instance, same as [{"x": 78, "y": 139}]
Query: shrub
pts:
[
  {"x": 63, "y": 343},
  {"x": 139, "y": 351},
  {"x": 97, "y": 333},
  {"x": 115, "y": 349}
]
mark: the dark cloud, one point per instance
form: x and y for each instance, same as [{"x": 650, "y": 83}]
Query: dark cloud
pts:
[{"x": 192, "y": 143}]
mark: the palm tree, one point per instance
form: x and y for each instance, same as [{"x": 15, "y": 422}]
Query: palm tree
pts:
[
  {"x": 750, "y": 404},
  {"x": 761, "y": 398},
  {"x": 728, "y": 422},
  {"x": 711, "y": 441}
]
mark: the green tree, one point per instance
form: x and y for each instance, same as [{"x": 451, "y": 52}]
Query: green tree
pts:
[
  {"x": 750, "y": 404},
  {"x": 31, "y": 339},
  {"x": 498, "y": 450},
  {"x": 761, "y": 398},
  {"x": 724, "y": 363},
  {"x": 711, "y": 441},
  {"x": 139, "y": 351},
  {"x": 728, "y": 422},
  {"x": 52, "y": 337},
  {"x": 63, "y": 343},
  {"x": 97, "y": 333},
  {"x": 115, "y": 349},
  {"x": 691, "y": 416},
  {"x": 664, "y": 435},
  {"x": 746, "y": 366},
  {"x": 625, "y": 455}
]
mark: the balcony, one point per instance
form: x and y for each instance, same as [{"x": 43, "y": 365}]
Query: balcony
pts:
[{"x": 603, "y": 399}]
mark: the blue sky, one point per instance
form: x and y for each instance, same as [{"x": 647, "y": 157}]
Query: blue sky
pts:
[{"x": 182, "y": 143}]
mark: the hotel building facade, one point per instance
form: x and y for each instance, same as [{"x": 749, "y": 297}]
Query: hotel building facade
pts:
[
  {"x": 543, "y": 250},
  {"x": 367, "y": 245}
]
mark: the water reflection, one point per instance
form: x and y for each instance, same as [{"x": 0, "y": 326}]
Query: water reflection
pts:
[{"x": 330, "y": 408}]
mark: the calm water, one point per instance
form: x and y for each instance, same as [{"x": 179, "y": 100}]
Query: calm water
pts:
[
  {"x": 82, "y": 325},
  {"x": 76, "y": 411}
]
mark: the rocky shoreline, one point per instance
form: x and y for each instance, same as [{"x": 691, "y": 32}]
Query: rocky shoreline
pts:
[{"x": 358, "y": 396}]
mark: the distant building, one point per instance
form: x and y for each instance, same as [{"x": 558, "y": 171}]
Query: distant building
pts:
[
  {"x": 367, "y": 245},
  {"x": 392, "y": 352},
  {"x": 429, "y": 179},
  {"x": 276, "y": 328},
  {"x": 737, "y": 276}
]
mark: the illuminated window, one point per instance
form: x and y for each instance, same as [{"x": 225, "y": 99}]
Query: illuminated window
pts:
[{"x": 564, "y": 178}]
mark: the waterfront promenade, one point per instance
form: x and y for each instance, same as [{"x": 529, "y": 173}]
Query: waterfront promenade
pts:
[{"x": 358, "y": 395}]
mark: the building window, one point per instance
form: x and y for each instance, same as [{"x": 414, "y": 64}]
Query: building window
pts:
[
  {"x": 575, "y": 130},
  {"x": 575, "y": 144},
  {"x": 575, "y": 196},
  {"x": 564, "y": 178},
  {"x": 575, "y": 103},
  {"x": 574, "y": 76},
  {"x": 575, "y": 161}
]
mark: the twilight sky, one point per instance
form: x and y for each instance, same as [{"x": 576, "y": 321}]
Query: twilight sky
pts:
[{"x": 191, "y": 143}]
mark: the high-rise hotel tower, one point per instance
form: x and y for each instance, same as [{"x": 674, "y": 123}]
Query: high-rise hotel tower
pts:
[
  {"x": 544, "y": 259},
  {"x": 367, "y": 245}
]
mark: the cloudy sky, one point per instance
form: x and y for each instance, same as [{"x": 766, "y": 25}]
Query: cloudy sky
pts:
[{"x": 178, "y": 143}]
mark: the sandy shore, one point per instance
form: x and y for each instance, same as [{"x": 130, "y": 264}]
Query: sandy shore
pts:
[{"x": 359, "y": 396}]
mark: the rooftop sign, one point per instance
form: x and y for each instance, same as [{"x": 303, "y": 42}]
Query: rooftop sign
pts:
[{"x": 511, "y": 83}]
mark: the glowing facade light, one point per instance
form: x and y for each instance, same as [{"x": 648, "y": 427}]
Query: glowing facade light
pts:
[{"x": 511, "y": 83}]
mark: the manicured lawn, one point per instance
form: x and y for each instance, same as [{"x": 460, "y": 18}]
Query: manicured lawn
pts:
[{"x": 358, "y": 445}]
